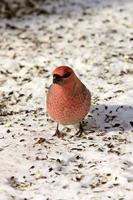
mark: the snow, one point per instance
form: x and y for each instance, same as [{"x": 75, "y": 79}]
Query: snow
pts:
[{"x": 95, "y": 38}]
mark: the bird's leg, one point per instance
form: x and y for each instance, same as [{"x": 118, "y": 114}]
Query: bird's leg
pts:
[
  {"x": 57, "y": 132},
  {"x": 81, "y": 130}
]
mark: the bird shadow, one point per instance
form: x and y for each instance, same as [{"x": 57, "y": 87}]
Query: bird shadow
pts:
[{"x": 110, "y": 118}]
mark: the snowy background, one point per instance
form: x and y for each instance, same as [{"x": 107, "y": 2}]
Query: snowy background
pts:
[{"x": 96, "y": 39}]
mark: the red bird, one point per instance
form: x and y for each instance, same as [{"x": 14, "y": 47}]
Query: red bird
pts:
[{"x": 68, "y": 100}]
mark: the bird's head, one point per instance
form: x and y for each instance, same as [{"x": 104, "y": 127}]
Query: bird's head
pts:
[{"x": 63, "y": 75}]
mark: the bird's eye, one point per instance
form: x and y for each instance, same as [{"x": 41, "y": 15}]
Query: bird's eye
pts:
[{"x": 67, "y": 74}]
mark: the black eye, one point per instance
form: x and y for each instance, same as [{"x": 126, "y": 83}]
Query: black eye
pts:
[
  {"x": 67, "y": 74},
  {"x": 56, "y": 76}
]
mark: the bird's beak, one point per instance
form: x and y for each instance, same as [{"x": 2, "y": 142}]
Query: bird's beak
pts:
[{"x": 57, "y": 79}]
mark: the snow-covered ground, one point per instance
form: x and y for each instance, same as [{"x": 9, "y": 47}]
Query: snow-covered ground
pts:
[{"x": 96, "y": 39}]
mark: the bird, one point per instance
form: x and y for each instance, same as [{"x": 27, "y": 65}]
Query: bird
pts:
[{"x": 68, "y": 99}]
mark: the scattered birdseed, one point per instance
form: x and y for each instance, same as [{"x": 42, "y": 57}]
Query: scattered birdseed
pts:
[{"x": 95, "y": 38}]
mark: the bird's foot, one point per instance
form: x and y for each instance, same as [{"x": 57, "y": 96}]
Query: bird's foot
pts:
[
  {"x": 80, "y": 131},
  {"x": 59, "y": 134}
]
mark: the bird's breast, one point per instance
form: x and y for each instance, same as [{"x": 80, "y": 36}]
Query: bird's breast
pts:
[{"x": 68, "y": 108}]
